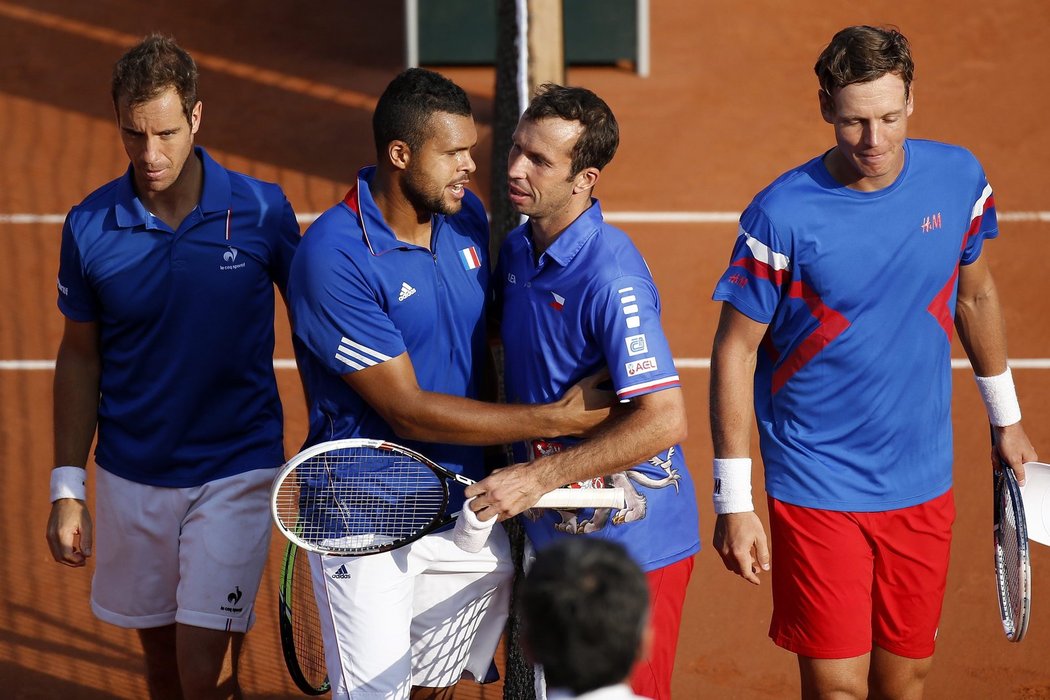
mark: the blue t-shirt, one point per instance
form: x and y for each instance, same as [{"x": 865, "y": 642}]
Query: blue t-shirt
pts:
[
  {"x": 188, "y": 393},
  {"x": 359, "y": 297},
  {"x": 590, "y": 302},
  {"x": 853, "y": 382}
]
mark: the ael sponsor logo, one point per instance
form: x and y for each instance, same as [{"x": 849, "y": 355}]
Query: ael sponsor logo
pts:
[{"x": 646, "y": 364}]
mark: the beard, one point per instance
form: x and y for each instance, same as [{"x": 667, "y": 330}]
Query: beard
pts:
[{"x": 426, "y": 196}]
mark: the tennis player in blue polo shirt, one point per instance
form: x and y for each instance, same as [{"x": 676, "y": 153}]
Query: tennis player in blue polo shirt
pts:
[
  {"x": 166, "y": 282},
  {"x": 387, "y": 295},
  {"x": 575, "y": 296}
]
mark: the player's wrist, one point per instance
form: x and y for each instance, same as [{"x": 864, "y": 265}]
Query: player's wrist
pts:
[
  {"x": 1000, "y": 398},
  {"x": 732, "y": 479},
  {"x": 68, "y": 482}
]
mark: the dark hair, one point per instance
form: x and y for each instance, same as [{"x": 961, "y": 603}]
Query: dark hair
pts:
[
  {"x": 404, "y": 109},
  {"x": 862, "y": 54},
  {"x": 584, "y": 606},
  {"x": 151, "y": 67},
  {"x": 601, "y": 134}
]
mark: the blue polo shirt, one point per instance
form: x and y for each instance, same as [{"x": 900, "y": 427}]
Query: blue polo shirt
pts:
[
  {"x": 359, "y": 297},
  {"x": 586, "y": 303},
  {"x": 188, "y": 393}
]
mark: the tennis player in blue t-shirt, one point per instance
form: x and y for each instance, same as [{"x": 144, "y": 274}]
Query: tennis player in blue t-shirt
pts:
[
  {"x": 166, "y": 283},
  {"x": 836, "y": 331}
]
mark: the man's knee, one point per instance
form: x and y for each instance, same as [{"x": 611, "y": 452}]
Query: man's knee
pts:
[
  {"x": 162, "y": 671},
  {"x": 208, "y": 662}
]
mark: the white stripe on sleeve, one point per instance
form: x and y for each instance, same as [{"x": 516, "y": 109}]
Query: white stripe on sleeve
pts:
[
  {"x": 978, "y": 206},
  {"x": 765, "y": 254}
]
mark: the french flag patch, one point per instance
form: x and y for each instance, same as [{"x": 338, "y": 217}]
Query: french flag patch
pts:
[{"x": 470, "y": 258}]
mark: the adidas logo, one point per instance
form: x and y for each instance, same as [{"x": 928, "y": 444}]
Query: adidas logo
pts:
[
  {"x": 341, "y": 572},
  {"x": 406, "y": 291}
]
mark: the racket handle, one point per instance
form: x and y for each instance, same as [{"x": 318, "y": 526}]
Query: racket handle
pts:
[{"x": 582, "y": 498}]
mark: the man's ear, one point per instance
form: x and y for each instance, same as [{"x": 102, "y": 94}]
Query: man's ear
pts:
[
  {"x": 585, "y": 180},
  {"x": 195, "y": 117},
  {"x": 827, "y": 106},
  {"x": 399, "y": 154}
]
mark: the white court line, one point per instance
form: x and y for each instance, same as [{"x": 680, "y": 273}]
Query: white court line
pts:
[
  {"x": 616, "y": 217},
  {"x": 960, "y": 363},
  {"x": 680, "y": 363}
]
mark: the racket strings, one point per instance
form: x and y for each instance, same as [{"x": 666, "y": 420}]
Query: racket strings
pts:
[
  {"x": 1012, "y": 561},
  {"x": 306, "y": 625},
  {"x": 359, "y": 498}
]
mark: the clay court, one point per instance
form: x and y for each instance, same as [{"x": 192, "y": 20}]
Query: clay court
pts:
[{"x": 730, "y": 104}]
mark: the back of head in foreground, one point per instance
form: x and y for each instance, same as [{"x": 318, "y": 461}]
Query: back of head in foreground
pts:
[{"x": 584, "y": 608}]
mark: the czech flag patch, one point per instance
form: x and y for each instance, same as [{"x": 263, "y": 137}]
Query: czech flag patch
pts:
[{"x": 470, "y": 258}]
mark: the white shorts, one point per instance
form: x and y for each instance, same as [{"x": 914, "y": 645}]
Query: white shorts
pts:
[
  {"x": 188, "y": 555},
  {"x": 420, "y": 615}
]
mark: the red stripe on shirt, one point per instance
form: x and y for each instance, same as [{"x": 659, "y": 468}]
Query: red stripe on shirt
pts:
[
  {"x": 351, "y": 200},
  {"x": 975, "y": 224},
  {"x": 939, "y": 306},
  {"x": 830, "y": 324}
]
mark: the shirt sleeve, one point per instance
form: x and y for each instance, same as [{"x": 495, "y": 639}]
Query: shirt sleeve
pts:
[
  {"x": 983, "y": 223},
  {"x": 76, "y": 299},
  {"x": 285, "y": 244},
  {"x": 758, "y": 269},
  {"x": 336, "y": 313},
  {"x": 627, "y": 314}
]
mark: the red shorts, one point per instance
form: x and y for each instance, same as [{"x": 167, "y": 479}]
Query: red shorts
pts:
[
  {"x": 843, "y": 581},
  {"x": 651, "y": 677}
]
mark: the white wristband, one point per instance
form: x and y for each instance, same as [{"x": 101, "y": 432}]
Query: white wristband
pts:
[
  {"x": 68, "y": 482},
  {"x": 733, "y": 486},
  {"x": 1000, "y": 398}
]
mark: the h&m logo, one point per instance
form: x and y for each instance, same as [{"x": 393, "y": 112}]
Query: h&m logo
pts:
[{"x": 931, "y": 222}]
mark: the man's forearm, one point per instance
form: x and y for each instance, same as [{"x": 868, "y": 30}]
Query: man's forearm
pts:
[
  {"x": 76, "y": 396},
  {"x": 622, "y": 442},
  {"x": 434, "y": 417}
]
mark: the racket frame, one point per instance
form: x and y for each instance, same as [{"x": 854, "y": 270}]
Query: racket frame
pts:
[
  {"x": 286, "y": 623},
  {"x": 564, "y": 498},
  {"x": 1015, "y": 622}
]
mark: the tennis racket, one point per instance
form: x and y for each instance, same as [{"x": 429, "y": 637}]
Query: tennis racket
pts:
[
  {"x": 300, "y": 627},
  {"x": 1013, "y": 569},
  {"x": 358, "y": 496}
]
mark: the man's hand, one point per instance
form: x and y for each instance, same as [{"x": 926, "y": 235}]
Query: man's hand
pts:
[
  {"x": 506, "y": 492},
  {"x": 69, "y": 532},
  {"x": 741, "y": 542},
  {"x": 587, "y": 404},
  {"x": 1013, "y": 445}
]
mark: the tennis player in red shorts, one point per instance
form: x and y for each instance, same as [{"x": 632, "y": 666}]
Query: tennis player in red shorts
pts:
[{"x": 836, "y": 334}]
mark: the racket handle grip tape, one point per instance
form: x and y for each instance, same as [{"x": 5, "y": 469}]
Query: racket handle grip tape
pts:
[{"x": 582, "y": 498}]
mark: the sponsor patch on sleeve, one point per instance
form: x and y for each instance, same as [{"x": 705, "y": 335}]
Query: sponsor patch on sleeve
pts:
[
  {"x": 636, "y": 345},
  {"x": 642, "y": 366}
]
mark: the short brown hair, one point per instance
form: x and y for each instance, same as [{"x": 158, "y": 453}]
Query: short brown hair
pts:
[
  {"x": 597, "y": 145},
  {"x": 151, "y": 67},
  {"x": 861, "y": 54}
]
